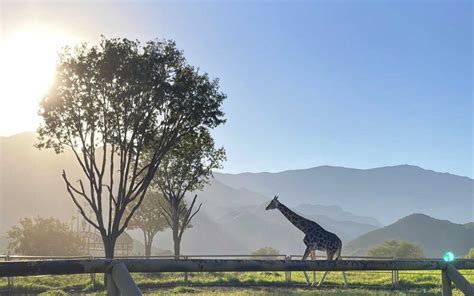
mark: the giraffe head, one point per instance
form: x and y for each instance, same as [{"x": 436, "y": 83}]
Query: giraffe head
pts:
[{"x": 273, "y": 204}]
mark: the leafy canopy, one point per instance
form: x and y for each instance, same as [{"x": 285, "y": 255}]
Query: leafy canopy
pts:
[
  {"x": 149, "y": 216},
  {"x": 266, "y": 251},
  {"x": 398, "y": 249},
  {"x": 111, "y": 101},
  {"x": 186, "y": 168},
  {"x": 44, "y": 237},
  {"x": 470, "y": 254}
]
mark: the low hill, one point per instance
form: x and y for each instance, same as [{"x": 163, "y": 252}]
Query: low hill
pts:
[{"x": 435, "y": 236}]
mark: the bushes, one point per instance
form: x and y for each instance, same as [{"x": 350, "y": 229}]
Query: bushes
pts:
[
  {"x": 266, "y": 251},
  {"x": 398, "y": 249}
]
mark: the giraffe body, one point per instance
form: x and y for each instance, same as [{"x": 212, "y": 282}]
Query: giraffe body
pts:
[{"x": 316, "y": 237}]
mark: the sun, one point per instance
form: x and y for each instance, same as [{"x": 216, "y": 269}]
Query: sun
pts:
[{"x": 27, "y": 68}]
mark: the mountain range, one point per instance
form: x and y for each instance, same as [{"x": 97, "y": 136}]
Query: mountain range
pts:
[
  {"x": 349, "y": 202},
  {"x": 385, "y": 193}
]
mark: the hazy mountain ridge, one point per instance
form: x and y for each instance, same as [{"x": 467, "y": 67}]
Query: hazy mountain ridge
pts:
[
  {"x": 30, "y": 181},
  {"x": 386, "y": 193},
  {"x": 335, "y": 211},
  {"x": 233, "y": 219},
  {"x": 434, "y": 235}
]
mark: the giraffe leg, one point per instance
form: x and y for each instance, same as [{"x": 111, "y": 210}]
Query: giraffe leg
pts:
[
  {"x": 313, "y": 257},
  {"x": 344, "y": 278},
  {"x": 338, "y": 256},
  {"x": 323, "y": 278},
  {"x": 329, "y": 257},
  {"x": 305, "y": 255}
]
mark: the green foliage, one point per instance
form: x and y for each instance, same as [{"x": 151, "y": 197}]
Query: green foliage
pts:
[
  {"x": 107, "y": 104},
  {"x": 266, "y": 251},
  {"x": 149, "y": 218},
  {"x": 397, "y": 249},
  {"x": 470, "y": 254},
  {"x": 186, "y": 168},
  {"x": 469, "y": 225},
  {"x": 44, "y": 237}
]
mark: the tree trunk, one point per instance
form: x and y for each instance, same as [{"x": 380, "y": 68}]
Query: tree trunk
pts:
[
  {"x": 146, "y": 244},
  {"x": 109, "y": 248},
  {"x": 176, "y": 239},
  {"x": 148, "y": 247},
  {"x": 177, "y": 243},
  {"x": 175, "y": 230}
]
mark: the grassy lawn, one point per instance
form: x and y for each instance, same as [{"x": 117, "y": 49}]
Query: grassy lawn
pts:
[{"x": 256, "y": 283}]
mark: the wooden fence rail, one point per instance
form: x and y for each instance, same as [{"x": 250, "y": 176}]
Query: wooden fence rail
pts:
[{"x": 118, "y": 269}]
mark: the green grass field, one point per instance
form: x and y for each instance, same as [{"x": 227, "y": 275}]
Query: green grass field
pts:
[{"x": 256, "y": 283}]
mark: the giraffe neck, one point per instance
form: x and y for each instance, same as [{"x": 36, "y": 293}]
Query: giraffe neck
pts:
[{"x": 300, "y": 222}]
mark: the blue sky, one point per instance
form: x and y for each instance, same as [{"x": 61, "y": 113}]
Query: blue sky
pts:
[{"x": 352, "y": 83}]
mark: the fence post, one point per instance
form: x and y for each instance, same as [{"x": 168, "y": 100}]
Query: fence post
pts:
[
  {"x": 394, "y": 275},
  {"x": 93, "y": 280},
  {"x": 124, "y": 281},
  {"x": 287, "y": 273},
  {"x": 185, "y": 273},
  {"x": 460, "y": 281},
  {"x": 112, "y": 289},
  {"x": 10, "y": 279},
  {"x": 446, "y": 283}
]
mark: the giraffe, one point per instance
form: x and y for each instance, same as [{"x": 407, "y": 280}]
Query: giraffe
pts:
[{"x": 316, "y": 238}]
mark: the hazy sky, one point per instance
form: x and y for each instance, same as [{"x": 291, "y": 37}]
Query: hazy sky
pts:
[{"x": 352, "y": 83}]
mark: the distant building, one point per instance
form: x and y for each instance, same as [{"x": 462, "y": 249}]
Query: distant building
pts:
[{"x": 95, "y": 247}]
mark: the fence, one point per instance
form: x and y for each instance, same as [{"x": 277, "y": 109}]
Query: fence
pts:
[
  {"x": 119, "y": 279},
  {"x": 394, "y": 273}
]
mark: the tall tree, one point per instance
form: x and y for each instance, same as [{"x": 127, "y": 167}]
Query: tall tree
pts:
[
  {"x": 149, "y": 218},
  {"x": 186, "y": 168},
  {"x": 44, "y": 237},
  {"x": 108, "y": 102}
]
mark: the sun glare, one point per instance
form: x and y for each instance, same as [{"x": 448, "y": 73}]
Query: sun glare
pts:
[{"x": 27, "y": 66}]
